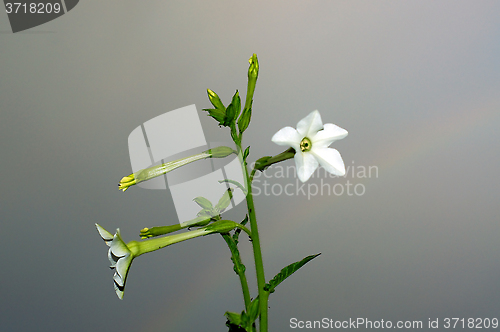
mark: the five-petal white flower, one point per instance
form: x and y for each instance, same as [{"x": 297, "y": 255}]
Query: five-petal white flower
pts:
[
  {"x": 119, "y": 256},
  {"x": 310, "y": 141}
]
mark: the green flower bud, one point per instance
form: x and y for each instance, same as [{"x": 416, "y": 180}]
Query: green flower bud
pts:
[
  {"x": 215, "y": 100},
  {"x": 221, "y": 226},
  {"x": 253, "y": 71},
  {"x": 220, "y": 152}
]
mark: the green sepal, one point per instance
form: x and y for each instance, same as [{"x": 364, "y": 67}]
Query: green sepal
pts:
[
  {"x": 246, "y": 153},
  {"x": 236, "y": 105},
  {"x": 220, "y": 152},
  {"x": 224, "y": 201},
  {"x": 203, "y": 203},
  {"x": 244, "y": 119},
  {"x": 217, "y": 114},
  {"x": 230, "y": 113},
  {"x": 286, "y": 272},
  {"x": 253, "y": 312}
]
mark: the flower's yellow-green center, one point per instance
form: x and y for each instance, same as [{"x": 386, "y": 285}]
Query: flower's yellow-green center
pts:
[{"x": 305, "y": 144}]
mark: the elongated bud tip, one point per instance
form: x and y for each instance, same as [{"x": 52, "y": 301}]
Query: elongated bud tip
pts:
[
  {"x": 220, "y": 152},
  {"x": 215, "y": 100},
  {"x": 211, "y": 93},
  {"x": 253, "y": 71},
  {"x": 126, "y": 182}
]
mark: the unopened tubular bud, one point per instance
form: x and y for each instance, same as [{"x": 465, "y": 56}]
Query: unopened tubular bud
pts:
[
  {"x": 253, "y": 70},
  {"x": 220, "y": 152},
  {"x": 215, "y": 100}
]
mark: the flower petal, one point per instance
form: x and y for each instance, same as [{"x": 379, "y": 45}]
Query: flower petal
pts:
[
  {"x": 288, "y": 136},
  {"x": 112, "y": 258},
  {"x": 310, "y": 125},
  {"x": 306, "y": 165},
  {"x": 106, "y": 236},
  {"x": 119, "y": 290},
  {"x": 329, "y": 134},
  {"x": 330, "y": 159},
  {"x": 122, "y": 268},
  {"x": 118, "y": 247}
]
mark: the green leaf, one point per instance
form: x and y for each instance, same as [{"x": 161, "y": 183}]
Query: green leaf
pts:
[
  {"x": 244, "y": 119},
  {"x": 224, "y": 201},
  {"x": 286, "y": 272},
  {"x": 236, "y": 183},
  {"x": 206, "y": 213},
  {"x": 203, "y": 202}
]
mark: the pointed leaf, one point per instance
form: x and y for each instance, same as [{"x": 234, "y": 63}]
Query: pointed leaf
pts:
[
  {"x": 236, "y": 183},
  {"x": 286, "y": 272},
  {"x": 224, "y": 201},
  {"x": 203, "y": 202}
]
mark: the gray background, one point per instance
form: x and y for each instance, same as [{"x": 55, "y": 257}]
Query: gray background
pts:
[{"x": 414, "y": 82}]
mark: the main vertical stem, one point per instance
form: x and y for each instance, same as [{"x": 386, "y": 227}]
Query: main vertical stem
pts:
[{"x": 257, "y": 253}]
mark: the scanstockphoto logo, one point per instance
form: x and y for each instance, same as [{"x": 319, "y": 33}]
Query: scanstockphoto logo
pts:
[
  {"x": 352, "y": 184},
  {"x": 25, "y": 15},
  {"x": 178, "y": 134}
]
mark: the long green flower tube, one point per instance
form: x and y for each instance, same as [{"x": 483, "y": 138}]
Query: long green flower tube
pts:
[{"x": 155, "y": 171}]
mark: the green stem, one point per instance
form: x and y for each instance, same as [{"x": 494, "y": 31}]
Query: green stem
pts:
[{"x": 259, "y": 265}]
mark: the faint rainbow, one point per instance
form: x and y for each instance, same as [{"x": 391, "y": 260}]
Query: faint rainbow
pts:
[{"x": 441, "y": 131}]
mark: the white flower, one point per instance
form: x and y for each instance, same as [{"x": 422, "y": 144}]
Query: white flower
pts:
[
  {"x": 119, "y": 256},
  {"x": 310, "y": 141}
]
